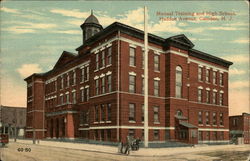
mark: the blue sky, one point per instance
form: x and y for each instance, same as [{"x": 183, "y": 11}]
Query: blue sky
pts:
[{"x": 34, "y": 34}]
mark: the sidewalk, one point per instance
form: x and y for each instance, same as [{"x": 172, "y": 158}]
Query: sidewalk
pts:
[{"x": 142, "y": 151}]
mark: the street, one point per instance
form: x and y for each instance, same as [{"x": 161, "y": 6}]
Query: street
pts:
[{"x": 30, "y": 152}]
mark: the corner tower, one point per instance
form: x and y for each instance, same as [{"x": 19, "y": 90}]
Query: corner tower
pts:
[{"x": 90, "y": 27}]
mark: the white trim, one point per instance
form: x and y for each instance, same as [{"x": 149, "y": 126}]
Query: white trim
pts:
[
  {"x": 208, "y": 104},
  {"x": 61, "y": 94},
  {"x": 212, "y": 129},
  {"x": 208, "y": 89},
  {"x": 109, "y": 73},
  {"x": 96, "y": 77},
  {"x": 215, "y": 70},
  {"x": 132, "y": 45},
  {"x": 126, "y": 127},
  {"x": 132, "y": 73},
  {"x": 73, "y": 90},
  {"x": 67, "y": 92},
  {"x": 177, "y": 53},
  {"x": 200, "y": 87},
  {"x": 142, "y": 75},
  {"x": 157, "y": 78},
  {"x": 207, "y": 65},
  {"x": 199, "y": 65},
  {"x": 215, "y": 90},
  {"x": 87, "y": 86},
  {"x": 213, "y": 141},
  {"x": 109, "y": 45},
  {"x": 157, "y": 53},
  {"x": 222, "y": 71},
  {"x": 36, "y": 130},
  {"x": 221, "y": 91},
  {"x": 81, "y": 88},
  {"x": 102, "y": 75},
  {"x": 188, "y": 85}
]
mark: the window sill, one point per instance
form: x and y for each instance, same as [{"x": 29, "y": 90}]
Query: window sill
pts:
[
  {"x": 109, "y": 65},
  {"x": 96, "y": 70},
  {"x": 214, "y": 125},
  {"x": 221, "y": 125},
  {"x": 208, "y": 125},
  {"x": 200, "y": 124},
  {"x": 156, "y": 122},
  {"x": 108, "y": 121},
  {"x": 132, "y": 66},
  {"x": 157, "y": 71},
  {"x": 96, "y": 122},
  {"x": 131, "y": 121},
  {"x": 102, "y": 122},
  {"x": 101, "y": 68}
]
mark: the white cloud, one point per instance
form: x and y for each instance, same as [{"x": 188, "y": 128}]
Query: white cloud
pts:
[
  {"x": 18, "y": 30},
  {"x": 235, "y": 71},
  {"x": 239, "y": 84},
  {"x": 237, "y": 58},
  {"x": 70, "y": 13},
  {"x": 9, "y": 10},
  {"x": 241, "y": 41},
  {"x": 222, "y": 28},
  {"x": 74, "y": 32},
  {"x": 133, "y": 16},
  {"x": 27, "y": 69},
  {"x": 164, "y": 26}
]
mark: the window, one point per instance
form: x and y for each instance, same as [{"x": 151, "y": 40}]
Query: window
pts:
[
  {"x": 200, "y": 135},
  {"x": 109, "y": 83},
  {"x": 67, "y": 80},
  {"x": 200, "y": 73},
  {"x": 156, "y": 87},
  {"x": 96, "y": 86},
  {"x": 157, "y": 63},
  {"x": 207, "y": 75},
  {"x": 61, "y": 99},
  {"x": 109, "y": 111},
  {"x": 96, "y": 134},
  {"x": 61, "y": 87},
  {"x": 208, "y": 135},
  {"x": 103, "y": 59},
  {"x": 156, "y": 114},
  {"x": 178, "y": 85},
  {"x": 142, "y": 90},
  {"x": 109, "y": 56},
  {"x": 142, "y": 113},
  {"x": 82, "y": 74},
  {"x": 156, "y": 134},
  {"x": 67, "y": 97},
  {"x": 214, "y": 97},
  {"x": 200, "y": 121},
  {"x": 235, "y": 122},
  {"x": 96, "y": 113},
  {"x": 108, "y": 134},
  {"x": 221, "y": 99},
  {"x": 214, "y": 118},
  {"x": 74, "y": 97},
  {"x": 87, "y": 73},
  {"x": 82, "y": 95},
  {"x": 97, "y": 61},
  {"x": 74, "y": 77},
  {"x": 131, "y": 112},
  {"x": 132, "y": 56},
  {"x": 221, "y": 79},
  {"x": 221, "y": 119},
  {"x": 87, "y": 93},
  {"x": 221, "y": 135},
  {"x": 199, "y": 95},
  {"x": 179, "y": 113},
  {"x": 103, "y": 85},
  {"x": 207, "y": 96},
  {"x": 214, "y": 77},
  {"x": 207, "y": 118},
  {"x": 132, "y": 83},
  {"x": 102, "y": 112},
  {"x": 131, "y": 132},
  {"x": 214, "y": 135}
]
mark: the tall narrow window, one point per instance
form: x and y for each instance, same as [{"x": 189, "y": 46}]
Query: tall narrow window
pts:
[
  {"x": 82, "y": 95},
  {"x": 207, "y": 118},
  {"x": 199, "y": 95},
  {"x": 214, "y": 97},
  {"x": 103, "y": 59},
  {"x": 132, "y": 83},
  {"x": 156, "y": 134},
  {"x": 82, "y": 74},
  {"x": 132, "y": 56},
  {"x": 200, "y": 74},
  {"x": 207, "y": 75},
  {"x": 214, "y": 118},
  {"x": 67, "y": 97},
  {"x": 156, "y": 114},
  {"x": 221, "y": 99},
  {"x": 109, "y": 56},
  {"x": 87, "y": 93},
  {"x": 200, "y": 121},
  {"x": 61, "y": 99},
  {"x": 74, "y": 77},
  {"x": 96, "y": 86},
  {"x": 131, "y": 112},
  {"x": 221, "y": 119},
  {"x": 142, "y": 90},
  {"x": 97, "y": 61},
  {"x": 96, "y": 113},
  {"x": 207, "y": 96},
  {"x": 142, "y": 113},
  {"x": 157, "y": 63},
  {"x": 214, "y": 77},
  {"x": 109, "y": 83},
  {"x": 156, "y": 87},
  {"x": 103, "y": 85},
  {"x": 67, "y": 80},
  {"x": 87, "y": 73},
  {"x": 61, "y": 83},
  {"x": 221, "y": 79},
  {"x": 74, "y": 97},
  {"x": 109, "y": 111},
  {"x": 103, "y": 112},
  {"x": 178, "y": 82}
]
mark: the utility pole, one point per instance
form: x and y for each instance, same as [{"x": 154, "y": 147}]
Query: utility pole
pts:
[{"x": 145, "y": 78}]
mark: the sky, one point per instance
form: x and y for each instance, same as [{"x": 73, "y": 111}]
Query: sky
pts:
[{"x": 35, "y": 33}]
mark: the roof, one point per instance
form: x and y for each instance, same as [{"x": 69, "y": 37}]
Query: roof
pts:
[
  {"x": 64, "y": 58},
  {"x": 188, "y": 125},
  {"x": 92, "y": 19},
  {"x": 179, "y": 40}
]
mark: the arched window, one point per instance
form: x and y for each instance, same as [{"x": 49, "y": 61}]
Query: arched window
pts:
[
  {"x": 178, "y": 82},
  {"x": 179, "y": 113}
]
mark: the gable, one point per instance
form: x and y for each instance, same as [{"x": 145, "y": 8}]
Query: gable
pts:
[
  {"x": 65, "y": 58},
  {"x": 182, "y": 39}
]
